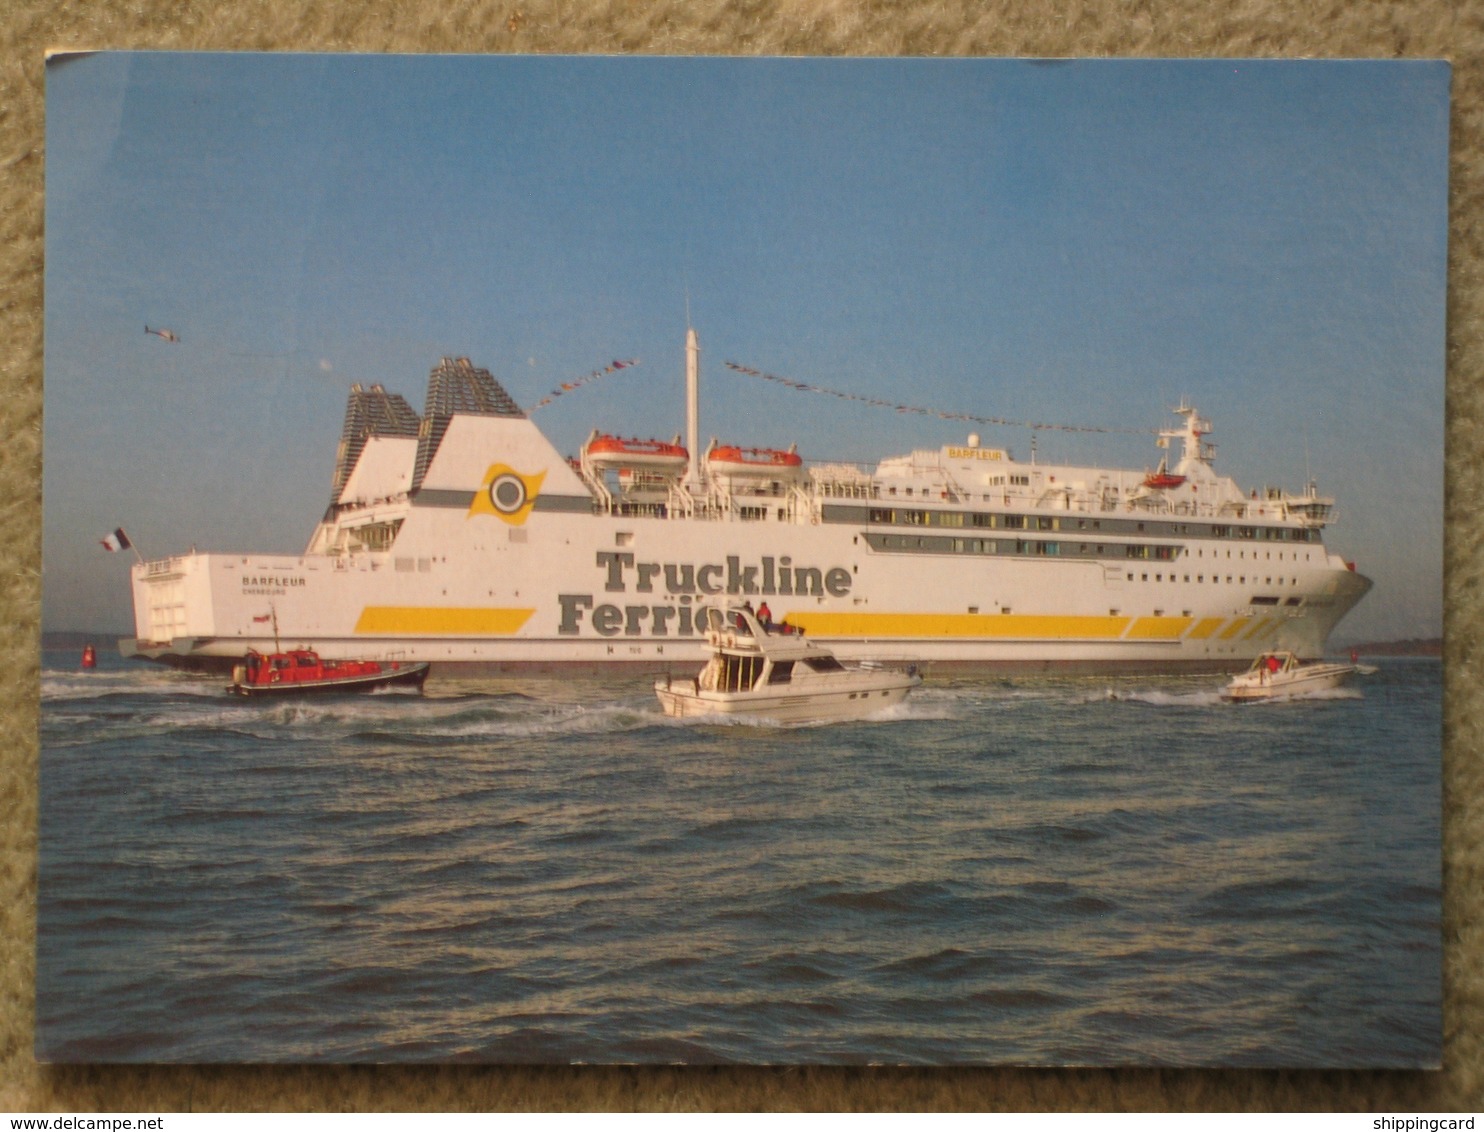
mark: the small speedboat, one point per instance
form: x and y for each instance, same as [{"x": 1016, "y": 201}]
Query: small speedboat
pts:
[
  {"x": 758, "y": 672},
  {"x": 1279, "y": 674},
  {"x": 302, "y": 671}
]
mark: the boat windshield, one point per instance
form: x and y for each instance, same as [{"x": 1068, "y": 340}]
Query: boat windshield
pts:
[{"x": 823, "y": 664}]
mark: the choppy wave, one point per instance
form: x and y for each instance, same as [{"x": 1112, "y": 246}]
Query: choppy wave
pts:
[{"x": 1029, "y": 871}]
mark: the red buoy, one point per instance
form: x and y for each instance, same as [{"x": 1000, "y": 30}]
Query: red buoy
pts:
[{"x": 89, "y": 657}]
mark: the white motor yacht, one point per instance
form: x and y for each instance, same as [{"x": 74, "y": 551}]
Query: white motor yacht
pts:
[
  {"x": 762, "y": 671},
  {"x": 1280, "y": 674}
]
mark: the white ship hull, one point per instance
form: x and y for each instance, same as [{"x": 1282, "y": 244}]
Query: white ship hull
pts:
[
  {"x": 505, "y": 555},
  {"x": 474, "y": 607}
]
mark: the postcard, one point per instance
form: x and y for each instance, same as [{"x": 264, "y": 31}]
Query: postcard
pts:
[{"x": 718, "y": 560}]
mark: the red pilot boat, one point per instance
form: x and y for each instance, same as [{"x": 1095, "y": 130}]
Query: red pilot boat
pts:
[{"x": 301, "y": 671}]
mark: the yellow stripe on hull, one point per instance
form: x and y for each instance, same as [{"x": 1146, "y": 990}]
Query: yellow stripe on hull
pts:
[
  {"x": 989, "y": 626},
  {"x": 415, "y": 620},
  {"x": 1159, "y": 628},
  {"x": 1205, "y": 627},
  {"x": 1265, "y": 627}
]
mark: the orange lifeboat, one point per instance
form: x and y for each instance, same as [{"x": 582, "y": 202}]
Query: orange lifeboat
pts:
[
  {"x": 1162, "y": 478},
  {"x": 607, "y": 451},
  {"x": 760, "y": 463}
]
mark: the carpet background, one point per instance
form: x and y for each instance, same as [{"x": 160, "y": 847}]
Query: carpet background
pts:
[{"x": 1451, "y": 29}]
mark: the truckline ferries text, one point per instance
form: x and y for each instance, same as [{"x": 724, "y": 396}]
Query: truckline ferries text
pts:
[{"x": 462, "y": 537}]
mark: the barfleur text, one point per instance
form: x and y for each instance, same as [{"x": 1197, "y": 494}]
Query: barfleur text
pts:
[{"x": 685, "y": 582}]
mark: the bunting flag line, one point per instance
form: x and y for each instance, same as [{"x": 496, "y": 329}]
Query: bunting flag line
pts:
[
  {"x": 879, "y": 403},
  {"x": 568, "y": 386}
]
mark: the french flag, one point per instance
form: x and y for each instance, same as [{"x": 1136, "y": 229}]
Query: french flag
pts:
[{"x": 116, "y": 541}]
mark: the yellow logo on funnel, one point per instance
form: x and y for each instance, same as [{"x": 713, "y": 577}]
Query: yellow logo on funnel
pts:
[{"x": 507, "y": 493}]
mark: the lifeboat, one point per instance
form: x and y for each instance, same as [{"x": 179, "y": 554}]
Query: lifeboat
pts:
[
  {"x": 606, "y": 451},
  {"x": 1162, "y": 478},
  {"x": 755, "y": 463}
]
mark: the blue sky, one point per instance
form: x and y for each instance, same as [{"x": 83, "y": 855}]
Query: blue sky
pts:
[{"x": 1076, "y": 242}]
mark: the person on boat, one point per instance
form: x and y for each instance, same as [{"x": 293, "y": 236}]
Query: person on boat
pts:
[
  {"x": 765, "y": 617},
  {"x": 742, "y": 621}
]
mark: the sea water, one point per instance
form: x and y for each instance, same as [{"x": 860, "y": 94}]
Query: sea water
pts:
[{"x": 1035, "y": 871}]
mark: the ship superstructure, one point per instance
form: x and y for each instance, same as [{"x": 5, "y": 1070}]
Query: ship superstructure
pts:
[{"x": 464, "y": 538}]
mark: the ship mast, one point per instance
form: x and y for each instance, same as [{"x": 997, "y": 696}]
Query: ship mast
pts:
[{"x": 693, "y": 406}]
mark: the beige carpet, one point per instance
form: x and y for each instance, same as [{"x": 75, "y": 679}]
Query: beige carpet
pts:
[{"x": 1452, "y": 29}]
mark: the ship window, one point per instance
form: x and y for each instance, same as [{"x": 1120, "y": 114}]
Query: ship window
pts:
[
  {"x": 782, "y": 672},
  {"x": 949, "y": 519},
  {"x": 881, "y": 515},
  {"x": 822, "y": 664},
  {"x": 984, "y": 520},
  {"x": 623, "y": 538},
  {"x": 1015, "y": 522}
]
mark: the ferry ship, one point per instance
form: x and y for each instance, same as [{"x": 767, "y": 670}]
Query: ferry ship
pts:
[{"x": 462, "y": 537}]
